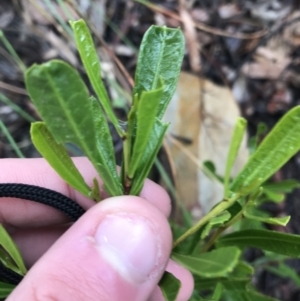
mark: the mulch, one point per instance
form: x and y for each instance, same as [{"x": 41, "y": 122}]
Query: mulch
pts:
[{"x": 253, "y": 47}]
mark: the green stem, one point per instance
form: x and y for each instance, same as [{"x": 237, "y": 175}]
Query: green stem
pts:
[
  {"x": 238, "y": 216},
  {"x": 11, "y": 140},
  {"x": 215, "y": 236},
  {"x": 126, "y": 158},
  {"x": 223, "y": 205},
  {"x": 127, "y": 146},
  {"x": 212, "y": 240},
  {"x": 12, "y": 52},
  {"x": 16, "y": 108}
]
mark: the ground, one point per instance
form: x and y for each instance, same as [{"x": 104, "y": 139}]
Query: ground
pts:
[{"x": 251, "y": 47}]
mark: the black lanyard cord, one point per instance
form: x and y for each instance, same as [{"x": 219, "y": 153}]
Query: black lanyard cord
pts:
[
  {"x": 41, "y": 195},
  {"x": 9, "y": 275}
]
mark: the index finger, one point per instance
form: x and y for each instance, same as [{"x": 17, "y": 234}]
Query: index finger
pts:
[{"x": 18, "y": 213}]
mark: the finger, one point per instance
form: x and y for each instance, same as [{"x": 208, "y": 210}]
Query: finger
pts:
[
  {"x": 118, "y": 250},
  {"x": 184, "y": 276},
  {"x": 34, "y": 242},
  {"x": 19, "y": 213}
]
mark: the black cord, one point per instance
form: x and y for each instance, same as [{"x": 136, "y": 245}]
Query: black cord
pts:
[
  {"x": 9, "y": 275},
  {"x": 40, "y": 195},
  {"x": 43, "y": 196}
]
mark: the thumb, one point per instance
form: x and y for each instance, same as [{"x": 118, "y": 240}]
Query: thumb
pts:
[{"x": 117, "y": 251}]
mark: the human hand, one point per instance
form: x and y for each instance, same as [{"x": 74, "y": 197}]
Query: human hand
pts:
[{"x": 118, "y": 250}]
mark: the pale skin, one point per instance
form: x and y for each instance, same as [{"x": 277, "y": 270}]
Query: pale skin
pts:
[{"x": 118, "y": 250}]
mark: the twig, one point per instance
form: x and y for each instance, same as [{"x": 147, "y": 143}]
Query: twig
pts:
[
  {"x": 204, "y": 27},
  {"x": 13, "y": 88}
]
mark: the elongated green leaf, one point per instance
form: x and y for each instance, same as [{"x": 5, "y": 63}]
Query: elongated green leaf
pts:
[
  {"x": 155, "y": 142},
  {"x": 281, "y": 243},
  {"x": 62, "y": 100},
  {"x": 90, "y": 60},
  {"x": 272, "y": 196},
  {"x": 217, "y": 294},
  {"x": 5, "y": 289},
  {"x": 57, "y": 156},
  {"x": 236, "y": 280},
  {"x": 197, "y": 297},
  {"x": 246, "y": 296},
  {"x": 276, "y": 149},
  {"x": 217, "y": 263},
  {"x": 169, "y": 286},
  {"x": 284, "y": 186},
  {"x": 282, "y": 221},
  {"x": 11, "y": 248},
  {"x": 230, "y": 283},
  {"x": 236, "y": 140},
  {"x": 161, "y": 54},
  {"x": 145, "y": 119},
  {"x": 242, "y": 269},
  {"x": 253, "y": 141},
  {"x": 8, "y": 262},
  {"x": 105, "y": 149}
]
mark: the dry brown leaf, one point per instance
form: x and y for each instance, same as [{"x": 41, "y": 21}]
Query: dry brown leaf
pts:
[
  {"x": 192, "y": 43},
  {"x": 184, "y": 114},
  {"x": 204, "y": 114},
  {"x": 269, "y": 63},
  {"x": 229, "y": 10}
]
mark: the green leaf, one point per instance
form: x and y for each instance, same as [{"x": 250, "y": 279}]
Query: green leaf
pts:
[
  {"x": 149, "y": 156},
  {"x": 145, "y": 118},
  {"x": 246, "y": 296},
  {"x": 217, "y": 294},
  {"x": 282, "y": 221},
  {"x": 238, "y": 279},
  {"x": 12, "y": 250},
  {"x": 57, "y": 156},
  {"x": 242, "y": 269},
  {"x": 284, "y": 186},
  {"x": 160, "y": 56},
  {"x": 253, "y": 141},
  {"x": 6, "y": 289},
  {"x": 90, "y": 60},
  {"x": 275, "y": 150},
  {"x": 280, "y": 243},
  {"x": 236, "y": 140},
  {"x": 169, "y": 286},
  {"x": 272, "y": 196},
  {"x": 105, "y": 149},
  {"x": 62, "y": 100},
  {"x": 197, "y": 297},
  {"x": 217, "y": 263},
  {"x": 230, "y": 283},
  {"x": 215, "y": 222},
  {"x": 8, "y": 262}
]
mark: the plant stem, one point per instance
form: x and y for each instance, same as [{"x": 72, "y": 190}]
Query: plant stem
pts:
[
  {"x": 127, "y": 148},
  {"x": 12, "y": 52},
  {"x": 16, "y": 108},
  {"x": 215, "y": 236},
  {"x": 212, "y": 240},
  {"x": 126, "y": 158},
  {"x": 223, "y": 205},
  {"x": 11, "y": 140}
]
